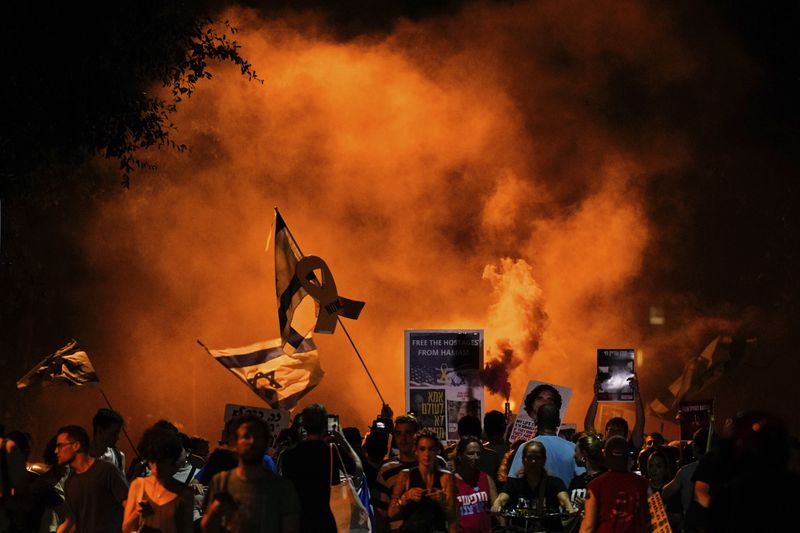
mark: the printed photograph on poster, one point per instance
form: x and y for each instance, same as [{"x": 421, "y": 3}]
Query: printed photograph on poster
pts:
[
  {"x": 694, "y": 415},
  {"x": 429, "y": 407},
  {"x": 524, "y": 425},
  {"x": 445, "y": 362},
  {"x": 614, "y": 372},
  {"x": 459, "y": 404}
]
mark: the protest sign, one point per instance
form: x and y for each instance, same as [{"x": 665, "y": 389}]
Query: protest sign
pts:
[
  {"x": 441, "y": 378},
  {"x": 614, "y": 372},
  {"x": 694, "y": 415},
  {"x": 276, "y": 419},
  {"x": 524, "y": 426}
]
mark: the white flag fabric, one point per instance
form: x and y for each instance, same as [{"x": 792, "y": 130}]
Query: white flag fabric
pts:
[
  {"x": 297, "y": 314},
  {"x": 280, "y": 378},
  {"x": 68, "y": 365}
]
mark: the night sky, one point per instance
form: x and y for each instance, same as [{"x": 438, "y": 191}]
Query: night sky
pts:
[{"x": 575, "y": 162}]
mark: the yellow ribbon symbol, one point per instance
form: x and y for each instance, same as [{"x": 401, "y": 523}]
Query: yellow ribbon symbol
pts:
[{"x": 323, "y": 290}]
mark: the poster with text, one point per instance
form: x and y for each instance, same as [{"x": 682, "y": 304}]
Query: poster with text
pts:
[
  {"x": 694, "y": 415},
  {"x": 524, "y": 426},
  {"x": 276, "y": 419},
  {"x": 614, "y": 372},
  {"x": 441, "y": 378}
]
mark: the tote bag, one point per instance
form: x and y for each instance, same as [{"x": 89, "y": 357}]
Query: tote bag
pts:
[{"x": 350, "y": 514}]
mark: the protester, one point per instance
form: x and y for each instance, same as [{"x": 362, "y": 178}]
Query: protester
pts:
[
  {"x": 560, "y": 452},
  {"x": 222, "y": 458},
  {"x": 159, "y": 502},
  {"x": 654, "y": 439},
  {"x": 682, "y": 483},
  {"x": 185, "y": 474},
  {"x": 546, "y": 493},
  {"x": 25, "y": 508},
  {"x": 405, "y": 427},
  {"x": 619, "y": 426},
  {"x": 656, "y": 468},
  {"x": 251, "y": 498},
  {"x": 588, "y": 454},
  {"x": 55, "y": 476},
  {"x": 308, "y": 467},
  {"x": 475, "y": 489},
  {"x": 95, "y": 491},
  {"x": 376, "y": 444},
  {"x": 494, "y": 426},
  {"x": 423, "y": 496},
  {"x": 616, "y": 501},
  {"x": 106, "y": 427},
  {"x": 505, "y": 464},
  {"x": 199, "y": 451}
]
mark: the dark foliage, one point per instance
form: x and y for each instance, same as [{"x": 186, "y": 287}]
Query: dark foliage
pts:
[{"x": 79, "y": 80}]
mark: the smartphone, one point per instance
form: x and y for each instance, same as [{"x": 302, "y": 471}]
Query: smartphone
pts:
[{"x": 333, "y": 423}]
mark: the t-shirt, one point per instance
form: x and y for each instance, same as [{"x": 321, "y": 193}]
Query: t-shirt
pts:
[
  {"x": 560, "y": 458},
  {"x": 261, "y": 503},
  {"x": 519, "y": 488},
  {"x": 577, "y": 488},
  {"x": 308, "y": 466},
  {"x": 95, "y": 498},
  {"x": 116, "y": 457},
  {"x": 621, "y": 502},
  {"x": 474, "y": 506}
]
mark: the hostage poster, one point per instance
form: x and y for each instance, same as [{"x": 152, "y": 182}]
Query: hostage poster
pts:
[
  {"x": 524, "y": 426},
  {"x": 441, "y": 378},
  {"x": 614, "y": 372}
]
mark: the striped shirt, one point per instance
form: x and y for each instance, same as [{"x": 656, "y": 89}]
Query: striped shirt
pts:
[{"x": 382, "y": 494}]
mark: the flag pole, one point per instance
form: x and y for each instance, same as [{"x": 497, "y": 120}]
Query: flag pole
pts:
[
  {"x": 339, "y": 319},
  {"x": 124, "y": 431}
]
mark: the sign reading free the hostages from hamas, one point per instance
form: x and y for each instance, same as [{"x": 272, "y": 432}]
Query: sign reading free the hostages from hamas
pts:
[{"x": 441, "y": 378}]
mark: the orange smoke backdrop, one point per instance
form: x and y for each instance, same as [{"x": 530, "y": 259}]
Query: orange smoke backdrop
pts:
[{"x": 456, "y": 173}]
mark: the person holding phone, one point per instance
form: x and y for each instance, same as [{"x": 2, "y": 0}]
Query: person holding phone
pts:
[
  {"x": 424, "y": 496},
  {"x": 159, "y": 502}
]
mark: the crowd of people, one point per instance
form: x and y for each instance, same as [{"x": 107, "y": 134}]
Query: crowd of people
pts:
[{"x": 403, "y": 478}]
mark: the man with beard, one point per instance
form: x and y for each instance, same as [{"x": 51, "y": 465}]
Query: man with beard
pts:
[{"x": 250, "y": 498}]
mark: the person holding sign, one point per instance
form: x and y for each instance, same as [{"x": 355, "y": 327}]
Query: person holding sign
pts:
[
  {"x": 425, "y": 496},
  {"x": 617, "y": 425}
]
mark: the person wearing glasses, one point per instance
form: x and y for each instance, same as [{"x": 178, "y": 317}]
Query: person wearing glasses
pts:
[
  {"x": 96, "y": 490},
  {"x": 424, "y": 496}
]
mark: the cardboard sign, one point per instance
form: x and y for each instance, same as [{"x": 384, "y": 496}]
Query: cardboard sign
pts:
[
  {"x": 276, "y": 419},
  {"x": 658, "y": 515},
  {"x": 524, "y": 426},
  {"x": 441, "y": 378}
]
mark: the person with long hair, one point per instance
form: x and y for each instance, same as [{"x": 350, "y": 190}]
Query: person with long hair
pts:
[
  {"x": 475, "y": 489},
  {"x": 588, "y": 454},
  {"x": 424, "y": 496},
  {"x": 159, "y": 502}
]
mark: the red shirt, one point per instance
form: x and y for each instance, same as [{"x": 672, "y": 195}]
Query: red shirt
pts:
[
  {"x": 621, "y": 502},
  {"x": 474, "y": 507}
]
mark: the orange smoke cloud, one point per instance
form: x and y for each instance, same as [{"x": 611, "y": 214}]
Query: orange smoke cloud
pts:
[{"x": 415, "y": 164}]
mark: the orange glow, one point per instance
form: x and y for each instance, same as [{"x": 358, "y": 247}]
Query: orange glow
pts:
[{"x": 447, "y": 173}]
